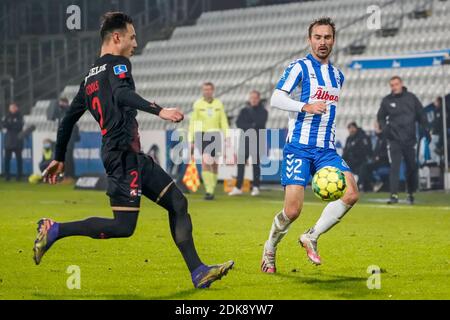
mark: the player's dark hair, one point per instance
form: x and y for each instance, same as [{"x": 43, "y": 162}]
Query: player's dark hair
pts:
[
  {"x": 396, "y": 78},
  {"x": 323, "y": 21},
  {"x": 113, "y": 21}
]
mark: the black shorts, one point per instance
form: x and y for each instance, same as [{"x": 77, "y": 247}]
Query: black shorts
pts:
[
  {"x": 131, "y": 175},
  {"x": 209, "y": 142}
]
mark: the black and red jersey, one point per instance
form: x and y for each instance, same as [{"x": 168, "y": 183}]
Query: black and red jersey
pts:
[{"x": 108, "y": 92}]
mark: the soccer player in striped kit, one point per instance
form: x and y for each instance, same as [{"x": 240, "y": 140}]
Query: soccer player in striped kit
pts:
[{"x": 309, "y": 90}]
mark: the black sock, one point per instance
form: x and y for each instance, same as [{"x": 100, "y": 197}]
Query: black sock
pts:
[
  {"x": 190, "y": 256},
  {"x": 121, "y": 226},
  {"x": 181, "y": 226},
  {"x": 181, "y": 230}
]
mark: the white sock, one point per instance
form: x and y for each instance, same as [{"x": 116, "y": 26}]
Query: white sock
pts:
[
  {"x": 331, "y": 215},
  {"x": 280, "y": 227}
]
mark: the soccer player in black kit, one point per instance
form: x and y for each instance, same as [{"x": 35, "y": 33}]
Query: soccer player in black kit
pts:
[{"x": 108, "y": 92}]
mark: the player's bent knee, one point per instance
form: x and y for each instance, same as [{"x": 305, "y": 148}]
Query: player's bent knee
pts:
[
  {"x": 125, "y": 224},
  {"x": 174, "y": 201},
  {"x": 125, "y": 232},
  {"x": 292, "y": 211},
  {"x": 125, "y": 229}
]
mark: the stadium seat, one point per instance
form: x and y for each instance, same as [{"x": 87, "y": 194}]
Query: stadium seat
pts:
[{"x": 227, "y": 47}]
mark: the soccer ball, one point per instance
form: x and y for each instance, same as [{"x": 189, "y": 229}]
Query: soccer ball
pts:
[
  {"x": 34, "y": 178},
  {"x": 328, "y": 184}
]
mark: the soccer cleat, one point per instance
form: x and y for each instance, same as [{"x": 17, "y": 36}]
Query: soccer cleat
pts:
[
  {"x": 255, "y": 192},
  {"x": 47, "y": 234},
  {"x": 393, "y": 199},
  {"x": 268, "y": 260},
  {"x": 204, "y": 276},
  {"x": 209, "y": 196},
  {"x": 310, "y": 246},
  {"x": 235, "y": 192}
]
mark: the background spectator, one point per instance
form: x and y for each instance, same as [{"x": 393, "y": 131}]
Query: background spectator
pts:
[
  {"x": 398, "y": 114},
  {"x": 374, "y": 171},
  {"x": 48, "y": 147},
  {"x": 357, "y": 150},
  {"x": 253, "y": 116},
  {"x": 13, "y": 123}
]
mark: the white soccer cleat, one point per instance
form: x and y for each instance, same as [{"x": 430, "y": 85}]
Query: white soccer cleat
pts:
[
  {"x": 235, "y": 192},
  {"x": 255, "y": 192},
  {"x": 310, "y": 246},
  {"x": 268, "y": 260}
]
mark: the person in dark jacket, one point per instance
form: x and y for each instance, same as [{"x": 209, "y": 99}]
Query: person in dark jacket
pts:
[
  {"x": 436, "y": 124},
  {"x": 252, "y": 117},
  {"x": 357, "y": 150},
  {"x": 370, "y": 171},
  {"x": 13, "y": 123},
  {"x": 433, "y": 151},
  {"x": 398, "y": 114},
  {"x": 437, "y": 127}
]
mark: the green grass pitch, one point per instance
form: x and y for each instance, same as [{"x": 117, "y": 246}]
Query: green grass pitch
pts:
[{"x": 411, "y": 245}]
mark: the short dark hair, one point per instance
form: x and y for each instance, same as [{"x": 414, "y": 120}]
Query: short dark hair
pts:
[
  {"x": 396, "y": 78},
  {"x": 208, "y": 83},
  {"x": 323, "y": 21},
  {"x": 256, "y": 92},
  {"x": 113, "y": 21},
  {"x": 352, "y": 124}
]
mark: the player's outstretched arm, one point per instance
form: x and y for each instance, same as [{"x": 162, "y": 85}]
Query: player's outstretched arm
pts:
[
  {"x": 73, "y": 114},
  {"x": 123, "y": 88},
  {"x": 122, "y": 85},
  {"x": 171, "y": 114},
  {"x": 128, "y": 97},
  {"x": 280, "y": 99}
]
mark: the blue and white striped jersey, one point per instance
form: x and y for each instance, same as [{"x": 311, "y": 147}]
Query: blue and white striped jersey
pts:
[{"x": 306, "y": 80}]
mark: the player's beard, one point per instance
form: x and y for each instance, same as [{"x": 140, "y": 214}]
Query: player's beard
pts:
[{"x": 322, "y": 54}]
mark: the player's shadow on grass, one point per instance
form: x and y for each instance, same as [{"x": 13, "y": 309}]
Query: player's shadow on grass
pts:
[
  {"x": 176, "y": 295},
  {"x": 89, "y": 297},
  {"x": 185, "y": 294},
  {"x": 344, "y": 286}
]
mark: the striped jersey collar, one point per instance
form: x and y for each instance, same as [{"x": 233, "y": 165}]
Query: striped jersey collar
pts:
[{"x": 315, "y": 61}]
